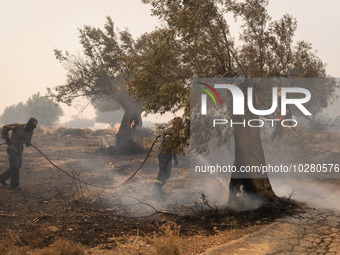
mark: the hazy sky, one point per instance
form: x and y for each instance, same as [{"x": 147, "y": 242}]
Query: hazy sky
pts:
[{"x": 31, "y": 29}]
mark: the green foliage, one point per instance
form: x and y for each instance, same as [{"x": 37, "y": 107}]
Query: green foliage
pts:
[
  {"x": 192, "y": 43},
  {"x": 178, "y": 135},
  {"x": 100, "y": 72},
  {"x": 268, "y": 49},
  {"x": 45, "y": 110},
  {"x": 195, "y": 42}
]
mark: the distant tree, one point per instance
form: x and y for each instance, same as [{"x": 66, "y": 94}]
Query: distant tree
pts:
[
  {"x": 14, "y": 114},
  {"x": 44, "y": 109}
]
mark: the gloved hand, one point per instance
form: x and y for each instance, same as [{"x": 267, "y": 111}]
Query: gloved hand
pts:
[
  {"x": 28, "y": 143},
  {"x": 7, "y": 141}
]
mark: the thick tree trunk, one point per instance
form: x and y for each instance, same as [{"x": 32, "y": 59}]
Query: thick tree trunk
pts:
[
  {"x": 132, "y": 119},
  {"x": 249, "y": 152}
]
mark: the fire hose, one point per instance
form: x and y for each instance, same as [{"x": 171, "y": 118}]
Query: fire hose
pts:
[{"x": 94, "y": 185}]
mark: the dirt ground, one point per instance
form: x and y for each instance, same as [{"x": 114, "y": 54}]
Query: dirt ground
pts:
[{"x": 55, "y": 214}]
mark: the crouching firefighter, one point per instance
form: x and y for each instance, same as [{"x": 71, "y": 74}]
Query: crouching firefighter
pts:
[
  {"x": 171, "y": 143},
  {"x": 21, "y": 134}
]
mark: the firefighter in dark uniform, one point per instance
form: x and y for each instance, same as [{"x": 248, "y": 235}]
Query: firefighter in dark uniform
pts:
[
  {"x": 170, "y": 142},
  {"x": 21, "y": 134}
]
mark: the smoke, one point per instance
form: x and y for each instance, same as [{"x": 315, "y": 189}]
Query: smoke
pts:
[
  {"x": 184, "y": 187},
  {"x": 181, "y": 190},
  {"x": 315, "y": 193},
  {"x": 216, "y": 185}
]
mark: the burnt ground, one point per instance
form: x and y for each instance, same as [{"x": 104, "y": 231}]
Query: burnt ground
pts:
[{"x": 53, "y": 209}]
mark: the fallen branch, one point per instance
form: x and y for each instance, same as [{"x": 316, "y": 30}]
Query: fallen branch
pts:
[{"x": 150, "y": 206}]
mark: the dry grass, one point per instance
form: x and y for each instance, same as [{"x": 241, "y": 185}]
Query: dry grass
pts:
[
  {"x": 35, "y": 245},
  {"x": 61, "y": 247},
  {"x": 135, "y": 246},
  {"x": 163, "y": 242},
  {"x": 167, "y": 242},
  {"x": 13, "y": 246}
]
